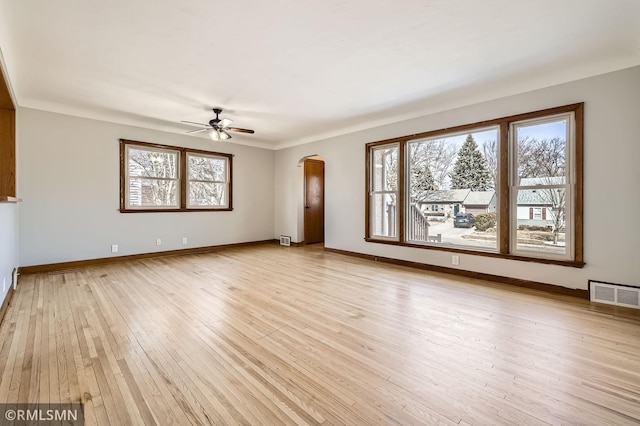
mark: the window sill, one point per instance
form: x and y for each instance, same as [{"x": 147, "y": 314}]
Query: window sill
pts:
[
  {"x": 9, "y": 199},
  {"x": 569, "y": 263},
  {"x": 173, "y": 210}
]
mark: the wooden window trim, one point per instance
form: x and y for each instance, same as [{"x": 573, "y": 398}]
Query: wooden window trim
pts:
[
  {"x": 7, "y": 142},
  {"x": 182, "y": 178},
  {"x": 504, "y": 213}
]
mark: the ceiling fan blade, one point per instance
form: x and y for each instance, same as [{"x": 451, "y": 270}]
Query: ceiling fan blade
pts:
[
  {"x": 237, "y": 129},
  {"x": 196, "y": 131},
  {"x": 191, "y": 122},
  {"x": 225, "y": 122},
  {"x": 228, "y": 135}
]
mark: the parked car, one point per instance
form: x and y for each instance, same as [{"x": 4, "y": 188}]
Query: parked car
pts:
[{"x": 464, "y": 220}]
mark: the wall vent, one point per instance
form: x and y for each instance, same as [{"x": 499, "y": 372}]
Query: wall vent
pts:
[
  {"x": 614, "y": 294},
  {"x": 285, "y": 241}
]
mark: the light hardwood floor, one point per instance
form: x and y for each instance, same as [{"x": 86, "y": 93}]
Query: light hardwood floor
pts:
[{"x": 273, "y": 335}]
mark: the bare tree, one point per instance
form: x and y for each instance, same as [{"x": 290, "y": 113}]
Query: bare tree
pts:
[
  {"x": 556, "y": 198},
  {"x": 490, "y": 152},
  {"x": 438, "y": 156},
  {"x": 156, "y": 171},
  {"x": 207, "y": 176},
  {"x": 541, "y": 157}
]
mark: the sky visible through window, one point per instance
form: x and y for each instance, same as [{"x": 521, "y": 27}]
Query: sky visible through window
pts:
[{"x": 555, "y": 129}]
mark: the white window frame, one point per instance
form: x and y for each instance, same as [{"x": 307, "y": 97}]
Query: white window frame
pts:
[
  {"x": 569, "y": 186},
  {"x": 537, "y": 213},
  {"x": 373, "y": 193}
]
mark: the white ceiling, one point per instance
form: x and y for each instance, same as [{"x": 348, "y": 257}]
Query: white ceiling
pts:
[{"x": 297, "y": 71}]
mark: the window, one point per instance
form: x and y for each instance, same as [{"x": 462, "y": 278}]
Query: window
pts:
[
  {"x": 542, "y": 185},
  {"x": 165, "y": 178},
  {"x": 509, "y": 187},
  {"x": 152, "y": 178},
  {"x": 208, "y": 181},
  {"x": 383, "y": 192},
  {"x": 447, "y": 175}
]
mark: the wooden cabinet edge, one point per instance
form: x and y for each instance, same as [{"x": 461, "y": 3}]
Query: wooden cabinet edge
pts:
[{"x": 9, "y": 199}]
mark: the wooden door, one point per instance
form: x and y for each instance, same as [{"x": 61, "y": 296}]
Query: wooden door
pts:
[{"x": 313, "y": 201}]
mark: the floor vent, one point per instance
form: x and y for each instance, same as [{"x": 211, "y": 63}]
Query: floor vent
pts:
[
  {"x": 285, "y": 241},
  {"x": 614, "y": 294}
]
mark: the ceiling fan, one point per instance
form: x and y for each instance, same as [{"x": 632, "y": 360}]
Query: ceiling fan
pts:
[{"x": 218, "y": 128}]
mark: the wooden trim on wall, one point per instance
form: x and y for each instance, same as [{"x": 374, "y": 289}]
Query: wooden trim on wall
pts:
[
  {"x": 402, "y": 197},
  {"x": 579, "y": 201},
  {"x": 7, "y": 153},
  {"x": 76, "y": 264},
  {"x": 7, "y": 139},
  {"x": 504, "y": 196},
  {"x": 549, "y": 288},
  {"x": 6, "y": 102},
  {"x": 367, "y": 195},
  {"x": 505, "y": 213},
  {"x": 182, "y": 178},
  {"x": 480, "y": 124},
  {"x": 435, "y": 246}
]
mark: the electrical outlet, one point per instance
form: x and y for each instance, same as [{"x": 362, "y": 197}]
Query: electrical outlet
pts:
[
  {"x": 455, "y": 259},
  {"x": 158, "y": 242},
  {"x": 114, "y": 248},
  {"x": 185, "y": 241}
]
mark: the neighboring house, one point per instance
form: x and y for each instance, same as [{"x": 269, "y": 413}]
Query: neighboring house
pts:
[
  {"x": 135, "y": 186},
  {"x": 442, "y": 204},
  {"x": 447, "y": 203},
  {"x": 535, "y": 206},
  {"x": 532, "y": 209},
  {"x": 478, "y": 202}
]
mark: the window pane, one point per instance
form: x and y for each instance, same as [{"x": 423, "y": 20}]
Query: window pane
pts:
[
  {"x": 384, "y": 215},
  {"x": 207, "y": 168},
  {"x": 542, "y": 153},
  {"x": 205, "y": 194},
  {"x": 541, "y": 220},
  {"x": 385, "y": 169},
  {"x": 452, "y": 181},
  {"x": 153, "y": 193},
  {"x": 161, "y": 164}
]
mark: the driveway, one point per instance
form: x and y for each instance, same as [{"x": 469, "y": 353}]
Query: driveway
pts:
[{"x": 453, "y": 235}]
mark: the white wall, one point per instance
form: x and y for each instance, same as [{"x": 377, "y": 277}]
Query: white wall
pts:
[
  {"x": 8, "y": 245},
  {"x": 68, "y": 178},
  {"x": 612, "y": 175}
]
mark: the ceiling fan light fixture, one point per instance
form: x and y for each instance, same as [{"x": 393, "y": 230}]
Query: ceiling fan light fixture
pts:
[{"x": 218, "y": 135}]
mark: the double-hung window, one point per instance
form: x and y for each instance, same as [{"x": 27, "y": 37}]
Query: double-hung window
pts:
[
  {"x": 152, "y": 177},
  {"x": 383, "y": 191},
  {"x": 543, "y": 183},
  {"x": 208, "y": 176},
  {"x": 509, "y": 187},
  {"x": 160, "y": 178}
]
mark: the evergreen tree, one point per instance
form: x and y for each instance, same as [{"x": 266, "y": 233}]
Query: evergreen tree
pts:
[
  {"x": 470, "y": 170},
  {"x": 421, "y": 179}
]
